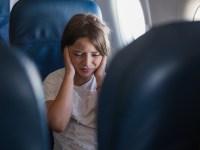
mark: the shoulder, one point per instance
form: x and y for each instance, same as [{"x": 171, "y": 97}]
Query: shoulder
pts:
[
  {"x": 58, "y": 74},
  {"x": 54, "y": 79},
  {"x": 52, "y": 83}
]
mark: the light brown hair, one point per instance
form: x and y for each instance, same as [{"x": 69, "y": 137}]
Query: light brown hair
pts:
[{"x": 90, "y": 26}]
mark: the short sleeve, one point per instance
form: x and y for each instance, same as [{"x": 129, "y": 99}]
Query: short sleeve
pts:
[{"x": 52, "y": 83}]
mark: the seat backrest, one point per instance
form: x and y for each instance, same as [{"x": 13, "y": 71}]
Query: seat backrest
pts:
[
  {"x": 150, "y": 98},
  {"x": 4, "y": 19},
  {"x": 22, "y": 107},
  {"x": 36, "y": 28}
]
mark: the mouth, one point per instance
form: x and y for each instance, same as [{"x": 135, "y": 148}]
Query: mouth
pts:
[{"x": 86, "y": 70}]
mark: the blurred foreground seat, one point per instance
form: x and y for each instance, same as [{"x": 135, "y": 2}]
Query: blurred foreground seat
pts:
[
  {"x": 150, "y": 99},
  {"x": 22, "y": 110}
]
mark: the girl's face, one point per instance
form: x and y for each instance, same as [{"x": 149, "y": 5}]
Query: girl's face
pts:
[{"x": 85, "y": 59}]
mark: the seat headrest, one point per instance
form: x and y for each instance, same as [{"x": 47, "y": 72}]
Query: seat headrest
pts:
[
  {"x": 37, "y": 26},
  {"x": 22, "y": 107},
  {"x": 4, "y": 19},
  {"x": 150, "y": 96}
]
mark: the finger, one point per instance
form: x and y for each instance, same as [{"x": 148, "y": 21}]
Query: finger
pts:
[
  {"x": 66, "y": 48},
  {"x": 66, "y": 56},
  {"x": 68, "y": 63},
  {"x": 66, "y": 53},
  {"x": 101, "y": 69},
  {"x": 103, "y": 62}
]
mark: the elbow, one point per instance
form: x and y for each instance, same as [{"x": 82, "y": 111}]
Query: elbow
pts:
[
  {"x": 59, "y": 128},
  {"x": 57, "y": 125}
]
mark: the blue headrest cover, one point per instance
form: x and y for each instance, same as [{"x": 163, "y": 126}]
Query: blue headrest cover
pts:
[
  {"x": 150, "y": 98},
  {"x": 37, "y": 26},
  {"x": 4, "y": 19}
]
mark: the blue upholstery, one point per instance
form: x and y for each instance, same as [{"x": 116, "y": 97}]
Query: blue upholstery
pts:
[
  {"x": 22, "y": 110},
  {"x": 4, "y": 19},
  {"x": 36, "y": 27},
  {"x": 150, "y": 99}
]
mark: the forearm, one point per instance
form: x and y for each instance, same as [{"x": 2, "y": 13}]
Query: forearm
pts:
[{"x": 59, "y": 112}]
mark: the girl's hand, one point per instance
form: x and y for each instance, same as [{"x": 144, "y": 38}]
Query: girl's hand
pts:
[
  {"x": 100, "y": 72},
  {"x": 68, "y": 64}
]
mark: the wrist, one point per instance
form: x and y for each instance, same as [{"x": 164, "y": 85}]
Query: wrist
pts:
[{"x": 69, "y": 74}]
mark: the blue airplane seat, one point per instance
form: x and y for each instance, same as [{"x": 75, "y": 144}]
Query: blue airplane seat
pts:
[
  {"x": 22, "y": 108},
  {"x": 4, "y": 19},
  {"x": 150, "y": 97},
  {"x": 36, "y": 28}
]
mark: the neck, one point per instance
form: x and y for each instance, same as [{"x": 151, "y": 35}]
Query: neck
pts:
[{"x": 80, "y": 81}]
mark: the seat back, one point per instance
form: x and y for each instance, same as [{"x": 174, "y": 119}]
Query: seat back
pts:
[
  {"x": 36, "y": 28},
  {"x": 150, "y": 98},
  {"x": 22, "y": 107}
]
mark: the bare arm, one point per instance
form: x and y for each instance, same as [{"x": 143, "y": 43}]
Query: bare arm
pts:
[{"x": 59, "y": 110}]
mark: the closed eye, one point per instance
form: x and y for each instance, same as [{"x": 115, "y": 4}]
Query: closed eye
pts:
[
  {"x": 95, "y": 54},
  {"x": 78, "y": 53}
]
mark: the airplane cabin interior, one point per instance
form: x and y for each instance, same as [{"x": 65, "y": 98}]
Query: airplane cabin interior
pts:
[{"x": 149, "y": 99}]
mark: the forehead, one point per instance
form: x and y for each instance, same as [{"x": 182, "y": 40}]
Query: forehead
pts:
[{"x": 84, "y": 44}]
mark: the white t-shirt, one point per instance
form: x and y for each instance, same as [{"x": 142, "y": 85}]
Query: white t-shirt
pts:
[{"x": 80, "y": 133}]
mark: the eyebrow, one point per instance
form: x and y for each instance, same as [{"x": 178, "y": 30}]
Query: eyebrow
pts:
[
  {"x": 80, "y": 50},
  {"x": 76, "y": 49}
]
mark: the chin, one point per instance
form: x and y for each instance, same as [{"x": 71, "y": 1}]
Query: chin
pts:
[{"x": 86, "y": 76}]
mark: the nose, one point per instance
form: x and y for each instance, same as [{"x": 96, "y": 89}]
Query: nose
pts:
[{"x": 87, "y": 60}]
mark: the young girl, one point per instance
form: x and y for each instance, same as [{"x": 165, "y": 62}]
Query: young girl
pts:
[{"x": 71, "y": 92}]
